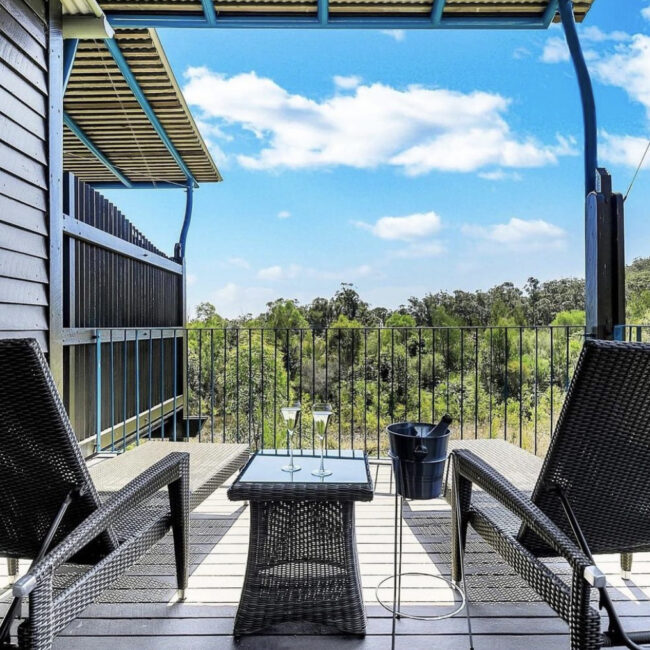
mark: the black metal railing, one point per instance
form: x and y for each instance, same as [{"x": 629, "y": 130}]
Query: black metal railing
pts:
[
  {"x": 228, "y": 384},
  {"x": 635, "y": 333}
]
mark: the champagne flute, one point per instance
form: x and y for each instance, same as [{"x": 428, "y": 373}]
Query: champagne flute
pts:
[
  {"x": 321, "y": 413},
  {"x": 290, "y": 414}
]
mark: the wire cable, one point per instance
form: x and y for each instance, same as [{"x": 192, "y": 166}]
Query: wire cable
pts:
[{"x": 636, "y": 173}]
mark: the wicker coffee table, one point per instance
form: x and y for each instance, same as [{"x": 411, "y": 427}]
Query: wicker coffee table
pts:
[{"x": 302, "y": 559}]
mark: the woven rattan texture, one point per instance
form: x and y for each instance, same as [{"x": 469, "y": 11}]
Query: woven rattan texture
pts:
[
  {"x": 40, "y": 461},
  {"x": 570, "y": 601},
  {"x": 600, "y": 453},
  {"x": 598, "y": 456},
  {"x": 302, "y": 557},
  {"x": 40, "y": 464}
]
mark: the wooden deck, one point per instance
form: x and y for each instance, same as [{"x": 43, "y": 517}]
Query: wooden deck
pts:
[{"x": 139, "y": 611}]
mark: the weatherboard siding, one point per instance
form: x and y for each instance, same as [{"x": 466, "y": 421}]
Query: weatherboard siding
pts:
[{"x": 24, "y": 245}]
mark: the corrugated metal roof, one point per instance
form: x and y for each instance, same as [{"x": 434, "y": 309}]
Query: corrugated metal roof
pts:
[
  {"x": 385, "y": 8},
  {"x": 99, "y": 100},
  {"x": 81, "y": 7}
]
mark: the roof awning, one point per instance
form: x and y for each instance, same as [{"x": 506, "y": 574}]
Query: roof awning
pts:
[
  {"x": 108, "y": 137},
  {"x": 432, "y": 14}
]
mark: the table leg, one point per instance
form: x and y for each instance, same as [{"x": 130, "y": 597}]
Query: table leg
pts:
[{"x": 302, "y": 566}]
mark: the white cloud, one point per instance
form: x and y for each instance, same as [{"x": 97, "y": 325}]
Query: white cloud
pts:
[
  {"x": 645, "y": 12},
  {"x": 407, "y": 228},
  {"x": 396, "y": 34},
  {"x": 284, "y": 214},
  {"x": 519, "y": 234},
  {"x": 272, "y": 273},
  {"x": 238, "y": 263},
  {"x": 624, "y": 150},
  {"x": 416, "y": 129},
  {"x": 594, "y": 34},
  {"x": 521, "y": 53},
  {"x": 556, "y": 50},
  {"x": 233, "y": 300},
  {"x": 628, "y": 68},
  {"x": 210, "y": 132},
  {"x": 500, "y": 175},
  {"x": 277, "y": 273},
  {"x": 347, "y": 83},
  {"x": 420, "y": 250},
  {"x": 478, "y": 147}
]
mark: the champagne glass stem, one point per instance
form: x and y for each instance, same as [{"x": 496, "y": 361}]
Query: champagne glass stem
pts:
[{"x": 290, "y": 436}]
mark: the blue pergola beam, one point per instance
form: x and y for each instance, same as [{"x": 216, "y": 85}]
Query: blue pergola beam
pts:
[
  {"x": 550, "y": 11},
  {"x": 133, "y": 21},
  {"x": 586, "y": 94},
  {"x": 90, "y": 145},
  {"x": 437, "y": 10},
  {"x": 209, "y": 12},
  {"x": 69, "y": 51},
  {"x": 323, "y": 12},
  {"x": 138, "y": 185},
  {"x": 133, "y": 84}
]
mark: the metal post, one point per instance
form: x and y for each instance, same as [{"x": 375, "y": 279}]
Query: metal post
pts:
[
  {"x": 175, "y": 389},
  {"x": 604, "y": 259},
  {"x": 586, "y": 94},
  {"x": 137, "y": 389},
  {"x": 180, "y": 247},
  {"x": 98, "y": 390},
  {"x": 604, "y": 253},
  {"x": 54, "y": 146}
]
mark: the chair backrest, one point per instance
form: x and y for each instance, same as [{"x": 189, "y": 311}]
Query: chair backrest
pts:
[
  {"x": 600, "y": 452},
  {"x": 40, "y": 459}
]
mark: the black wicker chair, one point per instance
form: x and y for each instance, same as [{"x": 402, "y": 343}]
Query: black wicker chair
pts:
[
  {"x": 592, "y": 495},
  {"x": 51, "y": 513}
]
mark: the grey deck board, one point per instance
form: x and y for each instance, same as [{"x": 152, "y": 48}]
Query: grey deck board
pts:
[{"x": 139, "y": 612}]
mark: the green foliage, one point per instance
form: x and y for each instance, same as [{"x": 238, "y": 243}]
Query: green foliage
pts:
[
  {"x": 474, "y": 354},
  {"x": 284, "y": 314},
  {"x": 571, "y": 317},
  {"x": 400, "y": 320}
]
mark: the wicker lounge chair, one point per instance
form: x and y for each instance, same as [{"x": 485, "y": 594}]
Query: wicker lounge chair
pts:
[
  {"x": 592, "y": 494},
  {"x": 51, "y": 512}
]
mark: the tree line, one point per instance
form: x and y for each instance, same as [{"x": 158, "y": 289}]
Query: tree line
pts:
[{"x": 499, "y": 361}]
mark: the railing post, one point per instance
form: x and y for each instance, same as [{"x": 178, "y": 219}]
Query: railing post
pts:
[
  {"x": 98, "y": 390},
  {"x": 175, "y": 388},
  {"x": 605, "y": 259},
  {"x": 137, "y": 390}
]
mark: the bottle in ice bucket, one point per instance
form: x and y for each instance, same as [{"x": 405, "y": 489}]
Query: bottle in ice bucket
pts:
[{"x": 419, "y": 458}]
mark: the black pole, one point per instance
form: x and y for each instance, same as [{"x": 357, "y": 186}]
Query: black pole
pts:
[
  {"x": 604, "y": 213},
  {"x": 586, "y": 94}
]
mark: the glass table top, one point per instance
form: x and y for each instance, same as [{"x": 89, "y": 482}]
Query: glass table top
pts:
[{"x": 266, "y": 467}]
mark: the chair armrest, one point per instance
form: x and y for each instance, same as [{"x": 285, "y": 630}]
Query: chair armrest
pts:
[
  {"x": 165, "y": 472},
  {"x": 480, "y": 473}
]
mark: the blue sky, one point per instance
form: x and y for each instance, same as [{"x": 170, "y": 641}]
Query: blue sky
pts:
[{"x": 403, "y": 162}]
